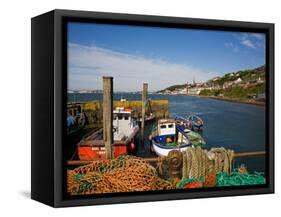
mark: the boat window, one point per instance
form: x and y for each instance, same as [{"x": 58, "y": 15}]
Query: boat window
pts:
[
  {"x": 163, "y": 126},
  {"x": 120, "y": 117},
  {"x": 114, "y": 117},
  {"x": 170, "y": 125},
  {"x": 126, "y": 117}
]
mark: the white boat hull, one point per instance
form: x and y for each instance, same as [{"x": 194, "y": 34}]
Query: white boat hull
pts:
[{"x": 165, "y": 151}]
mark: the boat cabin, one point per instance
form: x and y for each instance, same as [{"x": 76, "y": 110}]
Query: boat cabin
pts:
[
  {"x": 166, "y": 127},
  {"x": 123, "y": 124},
  {"x": 166, "y": 131}
]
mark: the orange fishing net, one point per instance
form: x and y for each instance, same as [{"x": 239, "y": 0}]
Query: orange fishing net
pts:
[{"x": 123, "y": 174}]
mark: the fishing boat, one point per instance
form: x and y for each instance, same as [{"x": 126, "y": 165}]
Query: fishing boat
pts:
[
  {"x": 148, "y": 118},
  {"x": 192, "y": 122},
  {"x": 183, "y": 122},
  {"x": 76, "y": 119},
  {"x": 125, "y": 129},
  {"x": 196, "y": 122},
  {"x": 195, "y": 138},
  {"x": 170, "y": 136},
  {"x": 122, "y": 99},
  {"x": 70, "y": 121}
]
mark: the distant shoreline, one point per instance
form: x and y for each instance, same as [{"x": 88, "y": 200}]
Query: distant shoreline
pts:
[{"x": 250, "y": 102}]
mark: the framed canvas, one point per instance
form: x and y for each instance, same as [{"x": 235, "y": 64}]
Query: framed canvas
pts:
[{"x": 134, "y": 108}]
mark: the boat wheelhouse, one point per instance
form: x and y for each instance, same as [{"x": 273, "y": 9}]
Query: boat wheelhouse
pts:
[{"x": 125, "y": 129}]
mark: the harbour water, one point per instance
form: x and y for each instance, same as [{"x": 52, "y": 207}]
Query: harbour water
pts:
[{"x": 232, "y": 125}]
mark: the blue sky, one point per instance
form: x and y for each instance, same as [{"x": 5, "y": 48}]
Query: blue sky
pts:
[{"x": 159, "y": 56}]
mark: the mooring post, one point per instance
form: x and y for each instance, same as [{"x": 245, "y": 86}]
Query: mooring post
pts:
[
  {"x": 175, "y": 158},
  {"x": 107, "y": 115},
  {"x": 144, "y": 101}
]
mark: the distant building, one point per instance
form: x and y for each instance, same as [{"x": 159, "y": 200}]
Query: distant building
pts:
[
  {"x": 260, "y": 80},
  {"x": 216, "y": 78},
  {"x": 227, "y": 84},
  {"x": 254, "y": 82},
  {"x": 238, "y": 81},
  {"x": 194, "y": 91}
]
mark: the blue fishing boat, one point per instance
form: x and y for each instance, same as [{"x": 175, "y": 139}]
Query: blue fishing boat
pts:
[
  {"x": 70, "y": 121},
  {"x": 196, "y": 122},
  {"x": 170, "y": 136},
  {"x": 192, "y": 122}
]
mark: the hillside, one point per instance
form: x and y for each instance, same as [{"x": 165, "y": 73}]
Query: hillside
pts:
[
  {"x": 173, "y": 88},
  {"x": 243, "y": 84},
  {"x": 245, "y": 75}
]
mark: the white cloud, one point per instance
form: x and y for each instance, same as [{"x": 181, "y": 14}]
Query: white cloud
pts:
[
  {"x": 87, "y": 65},
  {"x": 253, "y": 40},
  {"x": 248, "y": 43},
  {"x": 259, "y": 36}
]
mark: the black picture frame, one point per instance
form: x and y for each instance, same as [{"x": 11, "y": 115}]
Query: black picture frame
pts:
[{"x": 48, "y": 47}]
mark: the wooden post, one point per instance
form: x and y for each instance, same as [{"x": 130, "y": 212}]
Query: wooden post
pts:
[
  {"x": 107, "y": 115},
  {"x": 175, "y": 164},
  {"x": 144, "y": 101}
]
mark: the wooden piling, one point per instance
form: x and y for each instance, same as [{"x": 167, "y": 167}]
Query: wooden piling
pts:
[
  {"x": 107, "y": 115},
  {"x": 175, "y": 162},
  {"x": 144, "y": 101}
]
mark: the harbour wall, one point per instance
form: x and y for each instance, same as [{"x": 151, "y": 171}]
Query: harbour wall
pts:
[{"x": 93, "y": 110}]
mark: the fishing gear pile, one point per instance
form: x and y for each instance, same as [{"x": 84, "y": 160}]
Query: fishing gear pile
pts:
[
  {"x": 202, "y": 168},
  {"x": 199, "y": 162},
  {"x": 123, "y": 174},
  {"x": 236, "y": 178}
]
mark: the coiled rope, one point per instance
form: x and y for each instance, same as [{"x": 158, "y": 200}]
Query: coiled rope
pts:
[{"x": 198, "y": 162}]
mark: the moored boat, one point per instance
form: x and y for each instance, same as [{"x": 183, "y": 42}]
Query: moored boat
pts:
[
  {"x": 196, "y": 122},
  {"x": 195, "y": 138},
  {"x": 170, "y": 136},
  {"x": 192, "y": 122},
  {"x": 125, "y": 129},
  {"x": 75, "y": 118}
]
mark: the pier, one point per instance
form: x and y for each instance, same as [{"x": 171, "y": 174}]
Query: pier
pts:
[
  {"x": 157, "y": 159},
  {"x": 93, "y": 110}
]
